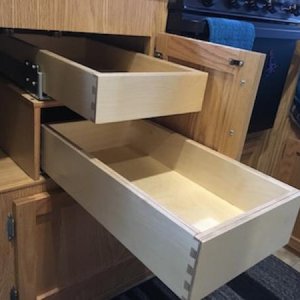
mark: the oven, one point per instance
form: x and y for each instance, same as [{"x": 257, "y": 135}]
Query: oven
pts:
[{"x": 277, "y": 26}]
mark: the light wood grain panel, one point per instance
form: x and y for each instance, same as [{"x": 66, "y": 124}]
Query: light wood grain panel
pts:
[
  {"x": 6, "y": 15},
  {"x": 223, "y": 122},
  {"x": 224, "y": 256},
  {"x": 20, "y": 127},
  {"x": 25, "y": 13},
  {"x": 123, "y": 17}
]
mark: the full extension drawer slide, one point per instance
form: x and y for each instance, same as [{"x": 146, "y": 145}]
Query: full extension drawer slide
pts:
[{"x": 100, "y": 82}]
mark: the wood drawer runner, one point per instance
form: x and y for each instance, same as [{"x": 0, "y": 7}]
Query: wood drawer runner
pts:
[
  {"x": 194, "y": 217},
  {"x": 107, "y": 84}
]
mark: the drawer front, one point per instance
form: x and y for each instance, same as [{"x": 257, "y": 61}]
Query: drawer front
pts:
[
  {"x": 234, "y": 249},
  {"x": 191, "y": 258},
  {"x": 103, "y": 83}
]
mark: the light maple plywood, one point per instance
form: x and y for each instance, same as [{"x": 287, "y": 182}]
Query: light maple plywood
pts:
[
  {"x": 144, "y": 192},
  {"x": 223, "y": 121},
  {"x": 125, "y": 80},
  {"x": 201, "y": 208},
  {"x": 226, "y": 253}
]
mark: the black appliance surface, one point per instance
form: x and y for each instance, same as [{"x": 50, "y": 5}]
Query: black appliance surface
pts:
[{"x": 277, "y": 26}]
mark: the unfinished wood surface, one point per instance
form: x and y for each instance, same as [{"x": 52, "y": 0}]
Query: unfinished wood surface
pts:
[
  {"x": 123, "y": 17},
  {"x": 20, "y": 127},
  {"x": 150, "y": 183},
  {"x": 49, "y": 263},
  {"x": 227, "y": 252},
  {"x": 223, "y": 121},
  {"x": 107, "y": 87}
]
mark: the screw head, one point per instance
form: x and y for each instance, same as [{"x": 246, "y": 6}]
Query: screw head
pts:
[
  {"x": 231, "y": 132},
  {"x": 243, "y": 82}
]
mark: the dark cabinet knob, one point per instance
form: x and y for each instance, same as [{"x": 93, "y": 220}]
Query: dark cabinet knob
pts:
[
  {"x": 269, "y": 6},
  {"x": 207, "y": 3},
  {"x": 234, "y": 4},
  {"x": 251, "y": 4}
]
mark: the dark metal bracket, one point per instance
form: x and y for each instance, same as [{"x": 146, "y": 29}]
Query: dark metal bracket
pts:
[{"x": 26, "y": 75}]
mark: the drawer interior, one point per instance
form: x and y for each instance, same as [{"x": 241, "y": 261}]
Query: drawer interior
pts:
[
  {"x": 100, "y": 56},
  {"x": 192, "y": 182}
]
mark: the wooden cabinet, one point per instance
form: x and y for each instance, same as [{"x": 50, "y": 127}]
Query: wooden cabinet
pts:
[
  {"x": 223, "y": 121},
  {"x": 119, "y": 17},
  {"x": 289, "y": 172},
  {"x": 61, "y": 252},
  {"x": 58, "y": 250}
]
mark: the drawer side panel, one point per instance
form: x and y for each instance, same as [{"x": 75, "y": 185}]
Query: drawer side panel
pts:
[{"x": 160, "y": 241}]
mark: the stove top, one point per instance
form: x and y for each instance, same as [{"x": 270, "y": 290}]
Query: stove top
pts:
[{"x": 281, "y": 11}]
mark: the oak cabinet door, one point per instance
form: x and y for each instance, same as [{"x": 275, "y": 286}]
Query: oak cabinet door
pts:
[
  {"x": 234, "y": 75},
  {"x": 61, "y": 252}
]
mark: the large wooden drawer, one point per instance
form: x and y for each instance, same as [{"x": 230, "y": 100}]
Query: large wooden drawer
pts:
[
  {"x": 104, "y": 83},
  {"x": 194, "y": 217}
]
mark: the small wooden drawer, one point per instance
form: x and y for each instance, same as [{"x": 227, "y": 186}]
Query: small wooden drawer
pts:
[
  {"x": 107, "y": 84},
  {"x": 194, "y": 217}
]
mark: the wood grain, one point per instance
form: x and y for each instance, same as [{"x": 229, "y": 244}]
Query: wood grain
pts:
[
  {"x": 273, "y": 144},
  {"x": 128, "y": 79},
  {"x": 122, "y": 17},
  {"x": 223, "y": 122},
  {"x": 20, "y": 127},
  {"x": 54, "y": 266},
  {"x": 171, "y": 196},
  {"x": 277, "y": 154},
  {"x": 14, "y": 183}
]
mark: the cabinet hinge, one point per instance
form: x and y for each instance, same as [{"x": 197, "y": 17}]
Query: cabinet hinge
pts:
[
  {"x": 14, "y": 294},
  {"x": 158, "y": 55},
  {"x": 10, "y": 227},
  {"x": 236, "y": 62}
]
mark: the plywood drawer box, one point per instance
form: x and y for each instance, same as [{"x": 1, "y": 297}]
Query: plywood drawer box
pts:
[
  {"x": 107, "y": 84},
  {"x": 194, "y": 217}
]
